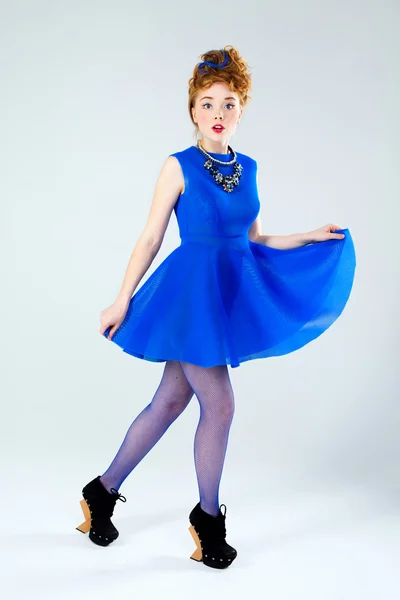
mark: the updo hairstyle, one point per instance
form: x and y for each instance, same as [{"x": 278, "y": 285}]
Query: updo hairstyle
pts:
[{"x": 234, "y": 74}]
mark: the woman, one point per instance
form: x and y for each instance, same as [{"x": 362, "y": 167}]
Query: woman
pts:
[{"x": 226, "y": 295}]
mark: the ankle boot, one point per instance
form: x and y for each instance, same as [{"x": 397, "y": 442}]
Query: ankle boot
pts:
[
  {"x": 98, "y": 507},
  {"x": 209, "y": 534}
]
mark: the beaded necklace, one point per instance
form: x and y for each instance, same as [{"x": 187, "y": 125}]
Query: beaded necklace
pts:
[{"x": 228, "y": 181}]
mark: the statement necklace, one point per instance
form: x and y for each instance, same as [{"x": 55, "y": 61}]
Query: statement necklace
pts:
[{"x": 228, "y": 181}]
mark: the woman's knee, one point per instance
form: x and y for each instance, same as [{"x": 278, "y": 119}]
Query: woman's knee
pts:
[
  {"x": 220, "y": 408},
  {"x": 176, "y": 405},
  {"x": 174, "y": 393},
  {"x": 227, "y": 406},
  {"x": 171, "y": 406}
]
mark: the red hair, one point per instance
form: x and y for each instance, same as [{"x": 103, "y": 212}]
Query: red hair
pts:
[{"x": 235, "y": 75}]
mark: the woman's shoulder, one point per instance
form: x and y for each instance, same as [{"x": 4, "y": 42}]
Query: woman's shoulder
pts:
[
  {"x": 183, "y": 152},
  {"x": 245, "y": 158}
]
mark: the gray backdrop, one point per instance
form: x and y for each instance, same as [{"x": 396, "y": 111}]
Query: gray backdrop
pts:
[{"x": 94, "y": 98}]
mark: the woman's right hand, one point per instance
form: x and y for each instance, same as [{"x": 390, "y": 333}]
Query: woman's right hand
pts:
[{"x": 113, "y": 316}]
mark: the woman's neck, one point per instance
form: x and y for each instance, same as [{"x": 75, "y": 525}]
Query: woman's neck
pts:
[{"x": 214, "y": 147}]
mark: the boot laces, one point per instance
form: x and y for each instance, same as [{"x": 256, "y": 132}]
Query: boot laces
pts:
[
  {"x": 117, "y": 495},
  {"x": 106, "y": 510},
  {"x": 220, "y": 531}
]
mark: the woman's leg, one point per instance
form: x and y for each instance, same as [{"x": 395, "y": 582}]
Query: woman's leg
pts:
[
  {"x": 213, "y": 389},
  {"x": 170, "y": 400}
]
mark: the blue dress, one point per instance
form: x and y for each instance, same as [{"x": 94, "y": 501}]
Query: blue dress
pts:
[{"x": 221, "y": 299}]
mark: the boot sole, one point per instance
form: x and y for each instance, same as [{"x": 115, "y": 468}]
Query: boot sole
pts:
[
  {"x": 209, "y": 562},
  {"x": 86, "y": 525}
]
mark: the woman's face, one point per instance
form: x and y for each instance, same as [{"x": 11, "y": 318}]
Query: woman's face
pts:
[{"x": 217, "y": 105}]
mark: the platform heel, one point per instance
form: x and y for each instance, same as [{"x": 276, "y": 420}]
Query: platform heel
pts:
[
  {"x": 98, "y": 507},
  {"x": 209, "y": 535}
]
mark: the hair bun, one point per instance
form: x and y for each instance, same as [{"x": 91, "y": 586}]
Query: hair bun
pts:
[{"x": 200, "y": 66}]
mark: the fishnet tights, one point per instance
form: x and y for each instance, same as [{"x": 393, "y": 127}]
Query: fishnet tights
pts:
[{"x": 179, "y": 382}]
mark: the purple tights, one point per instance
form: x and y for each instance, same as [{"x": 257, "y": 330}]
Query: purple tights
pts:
[{"x": 180, "y": 380}]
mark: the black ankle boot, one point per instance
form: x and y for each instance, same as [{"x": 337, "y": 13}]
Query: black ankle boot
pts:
[
  {"x": 209, "y": 534},
  {"x": 98, "y": 507}
]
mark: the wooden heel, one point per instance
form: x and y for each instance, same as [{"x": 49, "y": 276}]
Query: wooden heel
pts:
[
  {"x": 85, "y": 526},
  {"x": 198, "y": 553}
]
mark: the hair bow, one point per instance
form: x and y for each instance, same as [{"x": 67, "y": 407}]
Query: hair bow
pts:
[{"x": 211, "y": 64}]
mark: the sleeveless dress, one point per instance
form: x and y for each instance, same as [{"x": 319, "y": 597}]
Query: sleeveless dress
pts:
[{"x": 220, "y": 298}]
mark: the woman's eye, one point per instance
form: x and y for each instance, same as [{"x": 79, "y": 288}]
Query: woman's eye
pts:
[{"x": 208, "y": 104}]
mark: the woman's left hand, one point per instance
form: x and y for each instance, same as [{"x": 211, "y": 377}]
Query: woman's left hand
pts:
[{"x": 325, "y": 233}]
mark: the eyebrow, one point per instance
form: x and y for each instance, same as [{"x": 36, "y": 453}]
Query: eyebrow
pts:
[{"x": 211, "y": 98}]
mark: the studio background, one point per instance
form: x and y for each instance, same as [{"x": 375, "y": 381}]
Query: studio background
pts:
[{"x": 94, "y": 99}]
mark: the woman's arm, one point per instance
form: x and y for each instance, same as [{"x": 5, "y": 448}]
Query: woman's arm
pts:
[
  {"x": 282, "y": 242},
  {"x": 167, "y": 190},
  {"x": 294, "y": 240}
]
